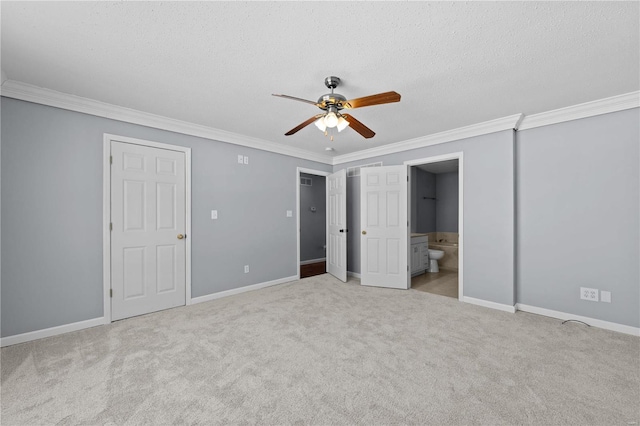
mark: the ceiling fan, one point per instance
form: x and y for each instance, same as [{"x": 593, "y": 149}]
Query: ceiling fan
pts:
[{"x": 333, "y": 103}]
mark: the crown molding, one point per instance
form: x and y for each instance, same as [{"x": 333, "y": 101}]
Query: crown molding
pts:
[
  {"x": 27, "y": 92},
  {"x": 492, "y": 126},
  {"x": 587, "y": 109}
]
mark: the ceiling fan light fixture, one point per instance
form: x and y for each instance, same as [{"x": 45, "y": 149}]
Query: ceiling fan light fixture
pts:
[
  {"x": 331, "y": 119},
  {"x": 342, "y": 123},
  {"x": 320, "y": 124}
]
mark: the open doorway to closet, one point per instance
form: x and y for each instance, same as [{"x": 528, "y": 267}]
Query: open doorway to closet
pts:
[
  {"x": 312, "y": 220},
  {"x": 436, "y": 225}
]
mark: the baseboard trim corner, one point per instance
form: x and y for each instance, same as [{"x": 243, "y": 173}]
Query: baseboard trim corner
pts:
[
  {"x": 353, "y": 274},
  {"x": 607, "y": 325},
  {"x": 50, "y": 332},
  {"x": 487, "y": 304},
  {"x": 233, "y": 291}
]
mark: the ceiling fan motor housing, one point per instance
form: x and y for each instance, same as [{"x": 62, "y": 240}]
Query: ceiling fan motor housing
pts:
[{"x": 331, "y": 99}]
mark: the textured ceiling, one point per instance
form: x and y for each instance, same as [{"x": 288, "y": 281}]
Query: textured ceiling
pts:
[{"x": 217, "y": 63}]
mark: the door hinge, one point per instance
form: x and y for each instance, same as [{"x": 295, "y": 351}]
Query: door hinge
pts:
[
  {"x": 110, "y": 226},
  {"x": 407, "y": 267},
  {"x": 111, "y": 159},
  {"x": 407, "y": 178},
  {"x": 110, "y": 292}
]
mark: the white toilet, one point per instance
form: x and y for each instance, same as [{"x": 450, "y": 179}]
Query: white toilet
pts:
[{"x": 435, "y": 255}]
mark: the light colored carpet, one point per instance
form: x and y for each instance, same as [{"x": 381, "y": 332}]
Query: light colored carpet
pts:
[{"x": 319, "y": 351}]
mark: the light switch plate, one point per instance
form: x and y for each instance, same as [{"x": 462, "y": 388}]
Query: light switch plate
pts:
[
  {"x": 240, "y": 159},
  {"x": 214, "y": 214},
  {"x": 246, "y": 160},
  {"x": 289, "y": 213}
]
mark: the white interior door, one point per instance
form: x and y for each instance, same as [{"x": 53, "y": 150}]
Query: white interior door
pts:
[
  {"x": 337, "y": 225},
  {"x": 384, "y": 222},
  {"x": 148, "y": 215}
]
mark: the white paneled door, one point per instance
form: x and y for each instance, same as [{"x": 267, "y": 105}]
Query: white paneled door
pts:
[
  {"x": 148, "y": 216},
  {"x": 337, "y": 224},
  {"x": 384, "y": 222}
]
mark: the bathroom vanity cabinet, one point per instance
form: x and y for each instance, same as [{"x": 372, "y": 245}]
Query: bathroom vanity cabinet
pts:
[{"x": 419, "y": 260}]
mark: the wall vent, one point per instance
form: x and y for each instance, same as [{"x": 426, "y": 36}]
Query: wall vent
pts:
[
  {"x": 355, "y": 171},
  {"x": 305, "y": 181}
]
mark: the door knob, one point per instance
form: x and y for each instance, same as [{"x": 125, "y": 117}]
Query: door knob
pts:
[
  {"x": 180, "y": 236},
  {"x": 364, "y": 232}
]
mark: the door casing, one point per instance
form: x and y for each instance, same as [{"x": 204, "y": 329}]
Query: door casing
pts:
[{"x": 106, "y": 214}]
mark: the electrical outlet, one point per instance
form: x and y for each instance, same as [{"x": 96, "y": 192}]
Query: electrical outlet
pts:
[
  {"x": 590, "y": 294},
  {"x": 605, "y": 296},
  {"x": 240, "y": 159},
  {"x": 246, "y": 269},
  {"x": 214, "y": 214}
]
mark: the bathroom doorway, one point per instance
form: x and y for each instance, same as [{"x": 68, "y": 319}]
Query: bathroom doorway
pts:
[
  {"x": 436, "y": 224},
  {"x": 312, "y": 222}
]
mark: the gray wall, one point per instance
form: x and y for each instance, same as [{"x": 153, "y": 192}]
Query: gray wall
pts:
[
  {"x": 52, "y": 214},
  {"x": 488, "y": 212},
  {"x": 446, "y": 206},
  {"x": 578, "y": 212},
  {"x": 313, "y": 225},
  {"x": 426, "y": 208}
]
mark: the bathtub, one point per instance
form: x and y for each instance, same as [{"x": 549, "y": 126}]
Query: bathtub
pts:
[{"x": 441, "y": 245}]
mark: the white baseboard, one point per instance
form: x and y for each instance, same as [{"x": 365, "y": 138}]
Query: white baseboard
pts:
[
  {"x": 487, "y": 304},
  {"x": 308, "y": 262},
  {"x": 49, "y": 332},
  {"x": 621, "y": 328},
  {"x": 353, "y": 274},
  {"x": 233, "y": 291}
]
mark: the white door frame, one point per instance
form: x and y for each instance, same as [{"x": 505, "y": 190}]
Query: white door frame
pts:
[
  {"x": 300, "y": 170},
  {"x": 106, "y": 213},
  {"x": 436, "y": 159}
]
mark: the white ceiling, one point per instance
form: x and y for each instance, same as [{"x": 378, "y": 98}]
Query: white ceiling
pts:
[{"x": 217, "y": 63}]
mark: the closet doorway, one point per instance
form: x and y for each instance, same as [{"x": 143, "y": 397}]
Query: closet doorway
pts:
[{"x": 312, "y": 222}]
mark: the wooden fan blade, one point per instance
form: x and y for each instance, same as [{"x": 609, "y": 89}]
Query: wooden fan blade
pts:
[
  {"x": 303, "y": 125},
  {"x": 380, "y": 98},
  {"x": 295, "y": 99},
  {"x": 359, "y": 127}
]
